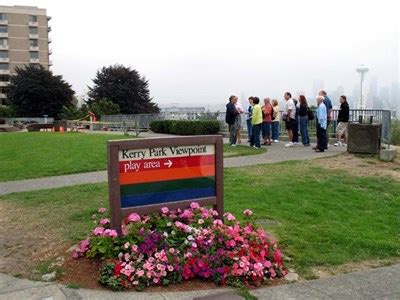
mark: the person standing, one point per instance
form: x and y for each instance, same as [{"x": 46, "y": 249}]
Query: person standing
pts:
[
  {"x": 342, "y": 120},
  {"x": 230, "y": 118},
  {"x": 276, "y": 118},
  {"x": 289, "y": 117},
  {"x": 248, "y": 114},
  {"x": 322, "y": 119},
  {"x": 238, "y": 120},
  {"x": 267, "y": 119},
  {"x": 256, "y": 122},
  {"x": 296, "y": 124},
  {"x": 328, "y": 105},
  {"x": 303, "y": 116}
]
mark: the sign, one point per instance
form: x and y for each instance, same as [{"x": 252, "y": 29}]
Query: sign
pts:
[{"x": 147, "y": 174}]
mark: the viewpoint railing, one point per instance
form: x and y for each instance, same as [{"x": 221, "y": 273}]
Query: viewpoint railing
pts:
[{"x": 142, "y": 121}]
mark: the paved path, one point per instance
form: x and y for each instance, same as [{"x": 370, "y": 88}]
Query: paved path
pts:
[
  {"x": 380, "y": 283},
  {"x": 276, "y": 153}
]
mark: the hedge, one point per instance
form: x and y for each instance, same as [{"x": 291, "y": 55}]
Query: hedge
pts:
[{"x": 179, "y": 127}]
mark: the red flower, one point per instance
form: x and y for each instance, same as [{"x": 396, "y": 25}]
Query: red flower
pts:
[
  {"x": 117, "y": 269},
  {"x": 278, "y": 256}
]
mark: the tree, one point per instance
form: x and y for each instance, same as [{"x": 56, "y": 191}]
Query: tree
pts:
[
  {"x": 104, "y": 107},
  {"x": 34, "y": 92},
  {"x": 125, "y": 87}
]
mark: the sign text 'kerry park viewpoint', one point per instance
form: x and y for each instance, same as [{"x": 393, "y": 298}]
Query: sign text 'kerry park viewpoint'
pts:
[{"x": 145, "y": 175}]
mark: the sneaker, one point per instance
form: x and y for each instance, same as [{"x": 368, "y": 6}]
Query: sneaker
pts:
[
  {"x": 338, "y": 144},
  {"x": 256, "y": 147},
  {"x": 276, "y": 141},
  {"x": 344, "y": 145},
  {"x": 295, "y": 143},
  {"x": 233, "y": 145},
  {"x": 289, "y": 144}
]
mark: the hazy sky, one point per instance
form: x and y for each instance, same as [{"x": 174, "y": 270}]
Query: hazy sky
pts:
[{"x": 200, "y": 52}]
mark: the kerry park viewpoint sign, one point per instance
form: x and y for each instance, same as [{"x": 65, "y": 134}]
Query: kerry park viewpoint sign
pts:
[{"x": 147, "y": 174}]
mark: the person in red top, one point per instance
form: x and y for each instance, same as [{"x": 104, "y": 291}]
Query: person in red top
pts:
[{"x": 267, "y": 119}]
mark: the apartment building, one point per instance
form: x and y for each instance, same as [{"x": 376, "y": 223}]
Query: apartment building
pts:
[{"x": 24, "y": 40}]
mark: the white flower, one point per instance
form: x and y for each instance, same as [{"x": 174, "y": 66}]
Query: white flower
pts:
[
  {"x": 173, "y": 232},
  {"x": 190, "y": 238},
  {"x": 169, "y": 224},
  {"x": 165, "y": 234}
]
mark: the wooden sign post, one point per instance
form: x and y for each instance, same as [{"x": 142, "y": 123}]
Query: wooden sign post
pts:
[{"x": 147, "y": 174}]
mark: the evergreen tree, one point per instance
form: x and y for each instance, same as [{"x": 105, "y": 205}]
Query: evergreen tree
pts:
[
  {"x": 124, "y": 87},
  {"x": 34, "y": 92}
]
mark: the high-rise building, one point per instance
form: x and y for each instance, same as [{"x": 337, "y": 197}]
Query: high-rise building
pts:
[{"x": 24, "y": 40}]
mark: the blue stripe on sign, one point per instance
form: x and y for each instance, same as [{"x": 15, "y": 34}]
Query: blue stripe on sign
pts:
[{"x": 163, "y": 197}]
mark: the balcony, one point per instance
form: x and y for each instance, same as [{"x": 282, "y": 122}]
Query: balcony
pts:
[
  {"x": 50, "y": 63},
  {"x": 4, "y": 60},
  {"x": 4, "y": 72},
  {"x": 50, "y": 52},
  {"x": 48, "y": 18},
  {"x": 3, "y": 22},
  {"x": 33, "y": 48},
  {"x": 3, "y": 96},
  {"x": 4, "y": 83},
  {"x": 49, "y": 40},
  {"x": 34, "y": 60},
  {"x": 48, "y": 29},
  {"x": 33, "y": 36},
  {"x": 4, "y": 47},
  {"x": 33, "y": 24},
  {"x": 3, "y": 34}
]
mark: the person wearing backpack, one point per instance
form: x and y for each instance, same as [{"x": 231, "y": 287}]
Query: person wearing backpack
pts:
[{"x": 304, "y": 118}]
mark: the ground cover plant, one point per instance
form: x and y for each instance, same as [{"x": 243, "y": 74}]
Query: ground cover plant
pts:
[
  {"x": 40, "y": 154},
  {"x": 173, "y": 246},
  {"x": 320, "y": 216}
]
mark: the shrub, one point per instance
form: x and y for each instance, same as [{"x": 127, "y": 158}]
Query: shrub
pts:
[
  {"x": 181, "y": 127},
  {"x": 173, "y": 246},
  {"x": 395, "y": 132},
  {"x": 7, "y": 112}
]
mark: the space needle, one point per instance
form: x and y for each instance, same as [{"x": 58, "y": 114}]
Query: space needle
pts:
[{"x": 361, "y": 70}]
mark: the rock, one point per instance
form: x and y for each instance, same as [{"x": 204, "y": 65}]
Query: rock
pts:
[
  {"x": 287, "y": 258},
  {"x": 292, "y": 277},
  {"x": 71, "y": 248},
  {"x": 49, "y": 277}
]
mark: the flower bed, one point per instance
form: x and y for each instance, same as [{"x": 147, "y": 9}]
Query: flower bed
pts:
[{"x": 178, "y": 245}]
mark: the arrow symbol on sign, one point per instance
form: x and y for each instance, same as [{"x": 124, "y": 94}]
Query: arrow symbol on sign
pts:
[{"x": 169, "y": 163}]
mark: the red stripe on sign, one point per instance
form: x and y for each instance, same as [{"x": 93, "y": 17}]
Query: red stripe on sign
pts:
[{"x": 165, "y": 163}]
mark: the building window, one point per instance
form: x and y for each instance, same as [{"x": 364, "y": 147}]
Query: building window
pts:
[
  {"x": 32, "y": 18},
  {"x": 34, "y": 43},
  {"x": 4, "y": 78},
  {"x": 3, "y": 29},
  {"x": 3, "y": 54},
  {"x": 4, "y": 66},
  {"x": 3, "y": 17},
  {"x": 3, "y": 42},
  {"x": 32, "y": 30},
  {"x": 34, "y": 55}
]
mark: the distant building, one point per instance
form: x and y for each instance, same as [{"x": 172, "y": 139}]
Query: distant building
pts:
[
  {"x": 182, "y": 109},
  {"x": 24, "y": 40}
]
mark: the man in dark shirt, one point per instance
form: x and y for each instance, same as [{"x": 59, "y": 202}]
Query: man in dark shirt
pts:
[
  {"x": 230, "y": 118},
  {"x": 342, "y": 120}
]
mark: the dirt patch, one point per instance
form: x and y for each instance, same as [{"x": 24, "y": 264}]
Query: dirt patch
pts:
[
  {"x": 362, "y": 165},
  {"x": 329, "y": 271},
  {"x": 25, "y": 242}
]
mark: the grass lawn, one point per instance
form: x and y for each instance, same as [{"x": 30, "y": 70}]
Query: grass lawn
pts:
[
  {"x": 320, "y": 216},
  {"x": 40, "y": 154}
]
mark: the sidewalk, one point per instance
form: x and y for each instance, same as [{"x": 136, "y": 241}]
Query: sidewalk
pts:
[
  {"x": 276, "y": 153},
  {"x": 380, "y": 283}
]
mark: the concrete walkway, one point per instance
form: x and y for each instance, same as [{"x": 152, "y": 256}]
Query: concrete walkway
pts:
[
  {"x": 380, "y": 283},
  {"x": 276, "y": 153}
]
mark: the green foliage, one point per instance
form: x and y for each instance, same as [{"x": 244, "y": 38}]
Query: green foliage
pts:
[
  {"x": 107, "y": 278},
  {"x": 123, "y": 86},
  {"x": 395, "y": 132},
  {"x": 71, "y": 112},
  {"x": 34, "y": 92},
  {"x": 181, "y": 127},
  {"x": 7, "y": 112},
  {"x": 104, "y": 107}
]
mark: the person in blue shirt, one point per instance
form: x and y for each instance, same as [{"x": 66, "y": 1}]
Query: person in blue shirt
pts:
[
  {"x": 328, "y": 105},
  {"x": 322, "y": 119}
]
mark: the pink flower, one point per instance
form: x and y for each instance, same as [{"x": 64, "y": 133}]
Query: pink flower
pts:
[
  {"x": 247, "y": 212},
  {"x": 139, "y": 273},
  {"x": 229, "y": 217},
  {"x": 134, "y": 217},
  {"x": 218, "y": 222},
  {"x": 165, "y": 210},
  {"x": 102, "y": 210},
  {"x": 278, "y": 256},
  {"x": 104, "y": 221},
  {"x": 110, "y": 232},
  {"x": 194, "y": 205},
  {"x": 98, "y": 231},
  {"x": 170, "y": 268},
  {"x": 171, "y": 250},
  {"x": 135, "y": 248}
]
